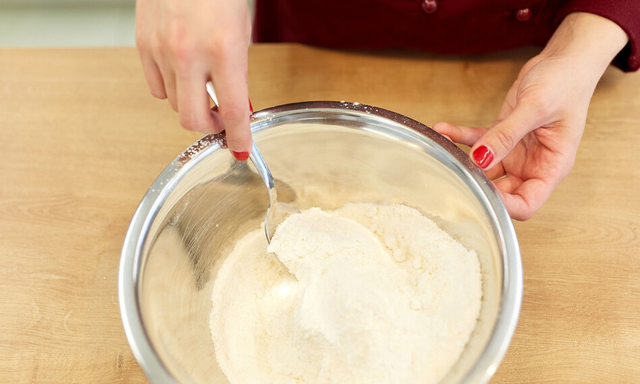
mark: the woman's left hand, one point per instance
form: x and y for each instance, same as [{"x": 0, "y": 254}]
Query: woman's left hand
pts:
[{"x": 532, "y": 145}]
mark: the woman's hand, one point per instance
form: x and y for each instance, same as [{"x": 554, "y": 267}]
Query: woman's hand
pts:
[
  {"x": 184, "y": 44},
  {"x": 532, "y": 145}
]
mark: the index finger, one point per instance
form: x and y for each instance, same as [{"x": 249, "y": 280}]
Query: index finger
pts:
[
  {"x": 230, "y": 81},
  {"x": 522, "y": 198},
  {"x": 193, "y": 105}
]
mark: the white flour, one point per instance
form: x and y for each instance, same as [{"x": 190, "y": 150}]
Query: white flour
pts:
[{"x": 380, "y": 295}]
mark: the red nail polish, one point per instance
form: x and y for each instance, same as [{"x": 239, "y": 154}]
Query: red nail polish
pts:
[
  {"x": 250, "y": 106},
  {"x": 240, "y": 155},
  {"x": 483, "y": 156}
]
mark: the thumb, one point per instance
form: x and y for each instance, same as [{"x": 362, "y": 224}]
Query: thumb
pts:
[{"x": 498, "y": 141}]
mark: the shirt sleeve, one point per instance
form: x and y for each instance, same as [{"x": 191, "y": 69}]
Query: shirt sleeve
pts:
[{"x": 625, "y": 13}]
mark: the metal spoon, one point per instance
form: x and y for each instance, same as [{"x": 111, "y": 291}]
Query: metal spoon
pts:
[{"x": 277, "y": 211}]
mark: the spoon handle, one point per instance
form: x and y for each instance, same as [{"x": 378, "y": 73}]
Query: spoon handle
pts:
[
  {"x": 212, "y": 93},
  {"x": 261, "y": 167}
]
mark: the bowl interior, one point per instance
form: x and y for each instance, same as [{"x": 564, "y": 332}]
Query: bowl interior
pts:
[{"x": 320, "y": 156}]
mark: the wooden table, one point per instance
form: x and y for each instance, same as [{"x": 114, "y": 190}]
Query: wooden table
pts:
[{"x": 82, "y": 139}]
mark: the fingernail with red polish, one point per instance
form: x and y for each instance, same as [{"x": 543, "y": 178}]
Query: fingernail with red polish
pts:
[
  {"x": 240, "y": 156},
  {"x": 250, "y": 106},
  {"x": 483, "y": 156}
]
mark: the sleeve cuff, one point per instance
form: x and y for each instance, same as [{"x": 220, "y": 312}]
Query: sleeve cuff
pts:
[{"x": 625, "y": 13}]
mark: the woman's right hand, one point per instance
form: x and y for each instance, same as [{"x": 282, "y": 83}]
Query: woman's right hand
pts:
[{"x": 184, "y": 44}]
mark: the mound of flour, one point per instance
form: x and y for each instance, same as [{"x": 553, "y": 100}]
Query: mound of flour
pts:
[{"x": 367, "y": 294}]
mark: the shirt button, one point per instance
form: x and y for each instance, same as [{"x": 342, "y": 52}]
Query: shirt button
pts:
[
  {"x": 429, "y": 6},
  {"x": 523, "y": 14}
]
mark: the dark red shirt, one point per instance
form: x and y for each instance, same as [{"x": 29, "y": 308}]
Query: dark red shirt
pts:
[{"x": 439, "y": 26}]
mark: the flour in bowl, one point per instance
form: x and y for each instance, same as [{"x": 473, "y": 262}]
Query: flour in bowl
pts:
[{"x": 370, "y": 294}]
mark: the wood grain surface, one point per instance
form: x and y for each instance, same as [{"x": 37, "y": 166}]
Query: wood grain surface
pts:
[{"x": 82, "y": 139}]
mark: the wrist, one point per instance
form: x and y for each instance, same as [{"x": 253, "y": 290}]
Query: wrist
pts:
[{"x": 589, "y": 39}]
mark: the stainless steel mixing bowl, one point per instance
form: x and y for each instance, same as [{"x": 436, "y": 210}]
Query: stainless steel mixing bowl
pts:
[{"x": 322, "y": 154}]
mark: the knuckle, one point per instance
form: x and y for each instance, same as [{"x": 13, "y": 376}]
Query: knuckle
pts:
[
  {"x": 525, "y": 215},
  {"x": 182, "y": 59},
  {"x": 148, "y": 43},
  {"x": 440, "y": 127},
  {"x": 221, "y": 46},
  {"x": 178, "y": 45},
  {"x": 142, "y": 42},
  {"x": 522, "y": 213},
  {"x": 182, "y": 65},
  {"x": 504, "y": 139},
  {"x": 179, "y": 52},
  {"x": 156, "y": 48},
  {"x": 542, "y": 106},
  {"x": 233, "y": 114},
  {"x": 191, "y": 123},
  {"x": 150, "y": 50},
  {"x": 158, "y": 93},
  {"x": 529, "y": 212}
]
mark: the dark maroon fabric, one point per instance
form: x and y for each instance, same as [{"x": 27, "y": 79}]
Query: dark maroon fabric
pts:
[
  {"x": 456, "y": 26},
  {"x": 625, "y": 13}
]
